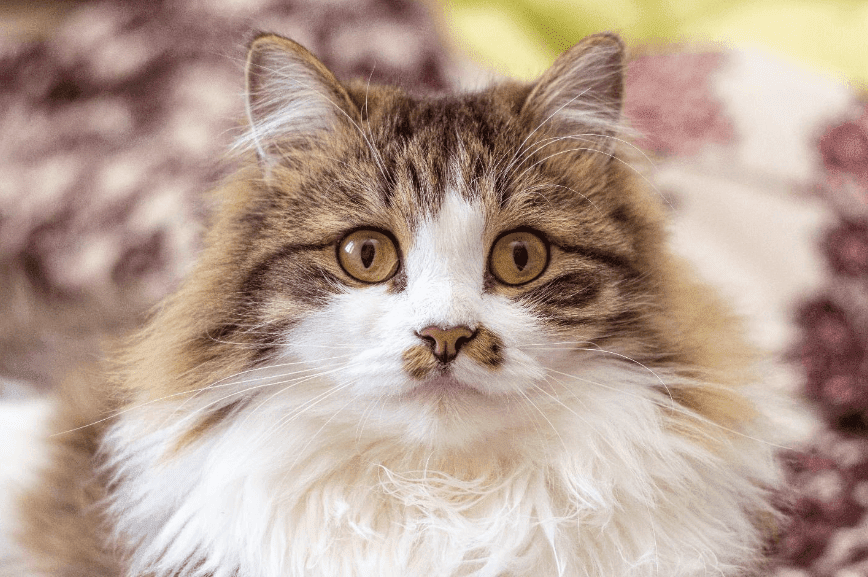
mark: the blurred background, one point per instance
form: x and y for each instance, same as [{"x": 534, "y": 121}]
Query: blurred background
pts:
[
  {"x": 521, "y": 37},
  {"x": 116, "y": 115}
]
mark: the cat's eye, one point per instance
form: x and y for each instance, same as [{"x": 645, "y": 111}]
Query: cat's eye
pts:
[
  {"x": 368, "y": 256},
  {"x": 518, "y": 257}
]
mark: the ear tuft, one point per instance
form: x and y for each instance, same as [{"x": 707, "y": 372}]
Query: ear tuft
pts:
[
  {"x": 581, "y": 93},
  {"x": 291, "y": 96}
]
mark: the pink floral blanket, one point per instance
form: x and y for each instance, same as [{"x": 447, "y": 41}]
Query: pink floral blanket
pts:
[{"x": 767, "y": 168}]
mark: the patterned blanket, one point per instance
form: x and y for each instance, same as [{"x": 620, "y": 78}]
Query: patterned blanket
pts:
[
  {"x": 114, "y": 127},
  {"x": 767, "y": 166}
]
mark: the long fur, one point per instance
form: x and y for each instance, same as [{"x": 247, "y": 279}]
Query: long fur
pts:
[
  {"x": 620, "y": 495},
  {"x": 279, "y": 417}
]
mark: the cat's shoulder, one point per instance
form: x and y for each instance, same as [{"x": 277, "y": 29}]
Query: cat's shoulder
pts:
[
  {"x": 51, "y": 492},
  {"x": 24, "y": 427}
]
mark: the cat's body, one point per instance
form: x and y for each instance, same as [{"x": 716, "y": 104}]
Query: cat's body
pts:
[{"x": 429, "y": 336}]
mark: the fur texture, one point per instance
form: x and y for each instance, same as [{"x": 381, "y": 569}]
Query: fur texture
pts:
[{"x": 280, "y": 417}]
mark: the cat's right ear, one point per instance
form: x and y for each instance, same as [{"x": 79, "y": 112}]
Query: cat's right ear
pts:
[{"x": 292, "y": 98}]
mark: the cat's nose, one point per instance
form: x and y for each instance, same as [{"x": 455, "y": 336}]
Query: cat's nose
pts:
[{"x": 445, "y": 343}]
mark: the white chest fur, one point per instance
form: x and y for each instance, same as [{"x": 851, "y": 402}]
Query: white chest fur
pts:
[{"x": 601, "y": 489}]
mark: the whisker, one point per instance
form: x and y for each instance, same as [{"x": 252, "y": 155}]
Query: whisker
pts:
[
  {"x": 222, "y": 382},
  {"x": 674, "y": 407},
  {"x": 610, "y": 155},
  {"x": 572, "y": 411},
  {"x": 192, "y": 392},
  {"x": 301, "y": 409},
  {"x": 543, "y": 415},
  {"x": 623, "y": 141},
  {"x": 281, "y": 380},
  {"x": 366, "y": 415},
  {"x": 598, "y": 349},
  {"x": 542, "y": 188},
  {"x": 322, "y": 427},
  {"x": 541, "y": 124},
  {"x": 367, "y": 88},
  {"x": 293, "y": 384},
  {"x": 544, "y": 142}
]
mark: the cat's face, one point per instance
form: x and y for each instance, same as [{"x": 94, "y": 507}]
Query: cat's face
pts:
[
  {"x": 426, "y": 254},
  {"x": 438, "y": 269}
]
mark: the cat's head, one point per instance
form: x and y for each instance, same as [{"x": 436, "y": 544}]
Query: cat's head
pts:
[{"x": 444, "y": 269}]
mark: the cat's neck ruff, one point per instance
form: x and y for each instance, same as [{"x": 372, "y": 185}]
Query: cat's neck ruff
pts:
[{"x": 599, "y": 487}]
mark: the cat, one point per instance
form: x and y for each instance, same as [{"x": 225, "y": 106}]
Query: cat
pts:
[{"x": 429, "y": 335}]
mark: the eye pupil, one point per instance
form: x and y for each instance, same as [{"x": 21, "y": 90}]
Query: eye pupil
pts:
[
  {"x": 367, "y": 253},
  {"x": 519, "y": 255}
]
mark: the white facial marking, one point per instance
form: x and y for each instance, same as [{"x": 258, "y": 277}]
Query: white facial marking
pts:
[{"x": 446, "y": 264}]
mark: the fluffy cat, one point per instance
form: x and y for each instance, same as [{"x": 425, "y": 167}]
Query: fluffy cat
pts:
[{"x": 436, "y": 336}]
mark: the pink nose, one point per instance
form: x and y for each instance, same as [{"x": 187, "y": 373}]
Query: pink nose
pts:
[{"x": 445, "y": 343}]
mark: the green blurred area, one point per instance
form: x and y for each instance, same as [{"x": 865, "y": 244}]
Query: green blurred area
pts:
[{"x": 522, "y": 37}]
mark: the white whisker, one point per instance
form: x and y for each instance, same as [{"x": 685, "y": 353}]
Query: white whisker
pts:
[
  {"x": 281, "y": 381},
  {"x": 323, "y": 426},
  {"x": 596, "y": 348},
  {"x": 610, "y": 155},
  {"x": 301, "y": 409},
  {"x": 541, "y": 124},
  {"x": 544, "y": 416},
  {"x": 673, "y": 407},
  {"x": 294, "y": 383},
  {"x": 158, "y": 400}
]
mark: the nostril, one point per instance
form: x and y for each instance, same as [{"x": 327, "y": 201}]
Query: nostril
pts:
[
  {"x": 460, "y": 343},
  {"x": 435, "y": 338}
]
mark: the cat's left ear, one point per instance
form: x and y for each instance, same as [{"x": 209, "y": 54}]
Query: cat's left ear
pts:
[
  {"x": 581, "y": 94},
  {"x": 292, "y": 97}
]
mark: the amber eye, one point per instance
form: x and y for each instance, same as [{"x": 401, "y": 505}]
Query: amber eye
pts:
[
  {"x": 368, "y": 256},
  {"x": 518, "y": 257}
]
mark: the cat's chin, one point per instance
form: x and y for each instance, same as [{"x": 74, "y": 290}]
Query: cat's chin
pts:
[
  {"x": 445, "y": 412},
  {"x": 443, "y": 388}
]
